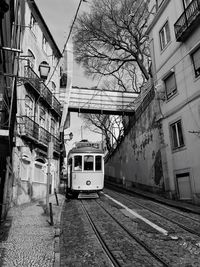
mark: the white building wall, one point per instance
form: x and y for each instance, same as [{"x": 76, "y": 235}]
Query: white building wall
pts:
[{"x": 185, "y": 104}]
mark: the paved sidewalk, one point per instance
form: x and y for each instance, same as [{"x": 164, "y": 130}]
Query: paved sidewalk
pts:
[{"x": 27, "y": 238}]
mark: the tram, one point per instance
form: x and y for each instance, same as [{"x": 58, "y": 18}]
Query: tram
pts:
[{"x": 85, "y": 170}]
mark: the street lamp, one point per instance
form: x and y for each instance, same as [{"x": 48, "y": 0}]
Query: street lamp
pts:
[
  {"x": 69, "y": 138},
  {"x": 44, "y": 69}
]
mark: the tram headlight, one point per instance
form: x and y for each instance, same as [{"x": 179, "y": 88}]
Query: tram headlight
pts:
[{"x": 88, "y": 182}]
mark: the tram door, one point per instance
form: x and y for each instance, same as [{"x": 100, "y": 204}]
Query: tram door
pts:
[{"x": 69, "y": 172}]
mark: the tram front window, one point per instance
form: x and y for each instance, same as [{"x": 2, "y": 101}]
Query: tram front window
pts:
[
  {"x": 77, "y": 163},
  {"x": 88, "y": 163},
  {"x": 98, "y": 162}
]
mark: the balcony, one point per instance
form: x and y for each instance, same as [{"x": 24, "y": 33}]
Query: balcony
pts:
[
  {"x": 44, "y": 136},
  {"x": 32, "y": 78},
  {"x": 188, "y": 21},
  {"x": 56, "y": 144},
  {"x": 28, "y": 128},
  {"x": 46, "y": 94},
  {"x": 34, "y": 82},
  {"x": 56, "y": 105}
]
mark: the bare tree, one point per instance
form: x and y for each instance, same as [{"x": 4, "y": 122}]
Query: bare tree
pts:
[
  {"x": 110, "y": 126},
  {"x": 110, "y": 41}
]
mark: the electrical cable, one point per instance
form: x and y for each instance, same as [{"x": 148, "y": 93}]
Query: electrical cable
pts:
[{"x": 66, "y": 42}]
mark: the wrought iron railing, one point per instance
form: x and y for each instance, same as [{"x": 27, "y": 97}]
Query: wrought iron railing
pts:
[
  {"x": 56, "y": 144},
  {"x": 56, "y": 105},
  {"x": 46, "y": 93},
  {"x": 32, "y": 78},
  {"x": 28, "y": 127},
  {"x": 44, "y": 136},
  {"x": 184, "y": 22}
]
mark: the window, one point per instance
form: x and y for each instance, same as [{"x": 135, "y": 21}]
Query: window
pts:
[
  {"x": 44, "y": 44},
  {"x": 33, "y": 25},
  {"x": 177, "y": 135},
  {"x": 53, "y": 125},
  {"x": 170, "y": 85},
  {"x": 98, "y": 163},
  {"x": 31, "y": 59},
  {"x": 42, "y": 117},
  {"x": 78, "y": 163},
  {"x": 164, "y": 35},
  {"x": 28, "y": 106},
  {"x": 196, "y": 61},
  {"x": 88, "y": 163}
]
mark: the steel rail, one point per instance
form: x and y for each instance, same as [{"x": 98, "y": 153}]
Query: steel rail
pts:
[
  {"x": 157, "y": 213},
  {"x": 100, "y": 239},
  {"x": 146, "y": 247}
]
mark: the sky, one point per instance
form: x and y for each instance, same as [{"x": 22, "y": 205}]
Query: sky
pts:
[{"x": 59, "y": 15}]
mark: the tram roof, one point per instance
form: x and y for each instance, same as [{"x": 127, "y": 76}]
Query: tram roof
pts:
[{"x": 86, "y": 149}]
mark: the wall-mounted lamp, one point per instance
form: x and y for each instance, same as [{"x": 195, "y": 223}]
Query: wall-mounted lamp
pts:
[
  {"x": 68, "y": 137},
  {"x": 44, "y": 69}
]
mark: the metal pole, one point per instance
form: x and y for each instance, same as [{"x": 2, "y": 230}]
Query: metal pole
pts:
[{"x": 49, "y": 157}]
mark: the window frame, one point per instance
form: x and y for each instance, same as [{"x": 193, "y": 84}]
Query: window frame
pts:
[
  {"x": 196, "y": 69},
  {"x": 95, "y": 162},
  {"x": 179, "y": 142},
  {"x": 29, "y": 109},
  {"x": 84, "y": 168},
  {"x": 164, "y": 40},
  {"x": 170, "y": 93}
]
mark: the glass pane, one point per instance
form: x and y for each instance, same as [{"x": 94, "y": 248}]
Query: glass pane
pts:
[
  {"x": 98, "y": 163},
  {"x": 180, "y": 134},
  {"x": 77, "y": 163},
  {"x": 196, "y": 59},
  {"x": 170, "y": 84},
  {"x": 88, "y": 163},
  {"x": 174, "y": 136}
]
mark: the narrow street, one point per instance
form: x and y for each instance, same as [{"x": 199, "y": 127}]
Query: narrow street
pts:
[{"x": 122, "y": 230}]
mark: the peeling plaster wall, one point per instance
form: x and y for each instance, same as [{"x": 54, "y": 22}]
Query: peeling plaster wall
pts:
[{"x": 137, "y": 161}]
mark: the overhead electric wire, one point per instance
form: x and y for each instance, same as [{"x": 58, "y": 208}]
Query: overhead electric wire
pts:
[{"x": 66, "y": 42}]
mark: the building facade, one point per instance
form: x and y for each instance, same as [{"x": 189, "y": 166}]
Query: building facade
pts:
[
  {"x": 37, "y": 136},
  {"x": 161, "y": 148},
  {"x": 11, "y": 19},
  {"x": 175, "y": 48}
]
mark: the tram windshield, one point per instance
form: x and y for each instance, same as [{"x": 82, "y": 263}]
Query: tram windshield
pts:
[
  {"x": 77, "y": 163},
  {"x": 88, "y": 163}
]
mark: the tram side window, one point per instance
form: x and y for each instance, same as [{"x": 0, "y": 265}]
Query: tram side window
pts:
[
  {"x": 98, "y": 163},
  {"x": 88, "y": 163},
  {"x": 77, "y": 163}
]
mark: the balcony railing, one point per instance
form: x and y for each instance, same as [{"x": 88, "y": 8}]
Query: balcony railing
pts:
[
  {"x": 56, "y": 105},
  {"x": 28, "y": 127},
  {"x": 32, "y": 78},
  {"x": 56, "y": 144},
  {"x": 44, "y": 136},
  {"x": 46, "y": 94},
  {"x": 187, "y": 21}
]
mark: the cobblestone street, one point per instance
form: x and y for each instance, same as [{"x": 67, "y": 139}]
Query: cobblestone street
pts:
[{"x": 27, "y": 238}]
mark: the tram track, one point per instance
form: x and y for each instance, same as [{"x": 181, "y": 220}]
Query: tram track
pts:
[
  {"x": 159, "y": 260},
  {"x": 186, "y": 228}
]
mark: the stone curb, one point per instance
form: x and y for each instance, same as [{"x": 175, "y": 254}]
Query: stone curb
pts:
[{"x": 57, "y": 235}]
